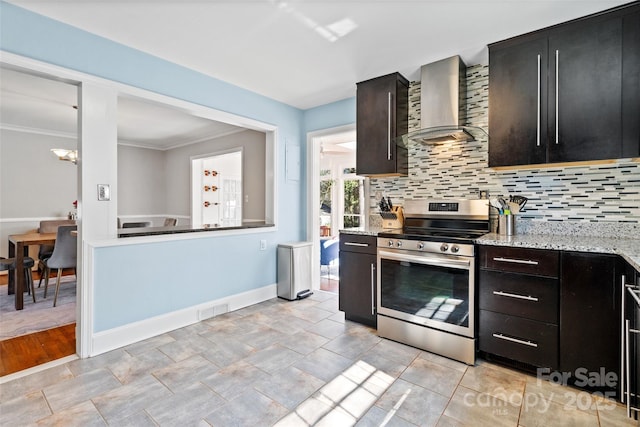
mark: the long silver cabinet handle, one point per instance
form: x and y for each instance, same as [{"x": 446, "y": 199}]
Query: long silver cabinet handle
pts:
[
  {"x": 622, "y": 341},
  {"x": 389, "y": 126},
  {"x": 373, "y": 284},
  {"x": 516, "y": 261},
  {"x": 627, "y": 336},
  {"x": 557, "y": 92},
  {"x": 362, "y": 245},
  {"x": 627, "y": 366},
  {"x": 515, "y": 340},
  {"x": 538, "y": 110},
  {"x": 517, "y": 296}
]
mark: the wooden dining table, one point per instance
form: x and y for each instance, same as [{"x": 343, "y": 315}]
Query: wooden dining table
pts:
[{"x": 18, "y": 247}]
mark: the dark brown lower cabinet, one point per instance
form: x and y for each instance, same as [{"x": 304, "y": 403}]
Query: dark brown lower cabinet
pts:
[
  {"x": 590, "y": 313},
  {"x": 568, "y": 319},
  {"x": 518, "y": 302},
  {"x": 357, "y": 289},
  {"x": 517, "y": 338}
]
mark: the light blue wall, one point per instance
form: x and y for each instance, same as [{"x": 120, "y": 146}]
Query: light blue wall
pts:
[
  {"x": 133, "y": 283},
  {"x": 142, "y": 281},
  {"x": 335, "y": 114}
]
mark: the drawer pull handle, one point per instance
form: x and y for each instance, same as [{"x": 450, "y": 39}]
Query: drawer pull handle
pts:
[
  {"x": 515, "y": 340},
  {"x": 510, "y": 295},
  {"x": 516, "y": 261},
  {"x": 362, "y": 245},
  {"x": 373, "y": 285}
]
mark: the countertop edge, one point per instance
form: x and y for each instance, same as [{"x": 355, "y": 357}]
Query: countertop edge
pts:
[
  {"x": 628, "y": 249},
  {"x": 156, "y": 231}
]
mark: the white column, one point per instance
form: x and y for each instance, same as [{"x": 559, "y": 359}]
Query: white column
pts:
[{"x": 97, "y": 164}]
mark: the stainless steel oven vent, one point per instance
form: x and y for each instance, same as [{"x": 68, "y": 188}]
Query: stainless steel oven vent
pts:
[{"x": 443, "y": 104}]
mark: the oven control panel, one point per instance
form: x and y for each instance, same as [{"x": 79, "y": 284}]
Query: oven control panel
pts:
[{"x": 459, "y": 249}]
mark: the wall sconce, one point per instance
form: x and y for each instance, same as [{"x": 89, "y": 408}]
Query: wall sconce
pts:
[{"x": 64, "y": 154}]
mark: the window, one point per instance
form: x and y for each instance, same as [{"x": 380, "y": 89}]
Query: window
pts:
[
  {"x": 231, "y": 201},
  {"x": 326, "y": 197},
  {"x": 216, "y": 183},
  {"x": 353, "y": 202}
]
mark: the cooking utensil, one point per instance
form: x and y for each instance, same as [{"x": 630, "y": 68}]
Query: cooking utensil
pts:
[
  {"x": 503, "y": 205},
  {"x": 496, "y": 205},
  {"x": 520, "y": 200}
]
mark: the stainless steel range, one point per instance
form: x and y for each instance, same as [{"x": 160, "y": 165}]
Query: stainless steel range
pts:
[{"x": 426, "y": 277}]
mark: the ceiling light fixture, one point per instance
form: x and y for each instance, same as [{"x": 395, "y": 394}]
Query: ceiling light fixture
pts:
[{"x": 64, "y": 154}]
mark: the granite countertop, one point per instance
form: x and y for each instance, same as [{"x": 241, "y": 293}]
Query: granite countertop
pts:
[
  {"x": 629, "y": 249},
  {"x": 368, "y": 231}
]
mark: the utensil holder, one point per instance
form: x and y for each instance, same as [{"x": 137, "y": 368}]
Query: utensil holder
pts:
[{"x": 507, "y": 225}]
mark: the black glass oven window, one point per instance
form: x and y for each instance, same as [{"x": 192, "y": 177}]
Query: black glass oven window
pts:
[{"x": 432, "y": 292}]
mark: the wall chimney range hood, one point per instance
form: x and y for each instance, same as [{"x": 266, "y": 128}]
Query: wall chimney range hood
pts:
[{"x": 443, "y": 105}]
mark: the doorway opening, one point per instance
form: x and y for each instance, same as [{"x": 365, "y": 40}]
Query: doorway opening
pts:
[
  {"x": 336, "y": 199},
  {"x": 39, "y": 114}
]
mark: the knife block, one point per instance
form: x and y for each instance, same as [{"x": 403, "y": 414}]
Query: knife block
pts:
[{"x": 393, "y": 218}]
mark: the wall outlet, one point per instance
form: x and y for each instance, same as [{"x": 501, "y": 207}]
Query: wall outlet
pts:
[
  {"x": 263, "y": 245},
  {"x": 483, "y": 194}
]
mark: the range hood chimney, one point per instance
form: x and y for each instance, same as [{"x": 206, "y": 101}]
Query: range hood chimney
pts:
[{"x": 443, "y": 92}]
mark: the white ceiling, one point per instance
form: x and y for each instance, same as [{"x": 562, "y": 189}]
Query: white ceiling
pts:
[
  {"x": 35, "y": 104},
  {"x": 303, "y": 53},
  {"x": 307, "y": 53}
]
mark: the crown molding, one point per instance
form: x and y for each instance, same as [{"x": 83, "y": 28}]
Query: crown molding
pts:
[{"x": 38, "y": 131}]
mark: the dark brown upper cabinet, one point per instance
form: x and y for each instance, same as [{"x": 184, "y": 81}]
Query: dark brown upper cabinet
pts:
[
  {"x": 563, "y": 94},
  {"x": 382, "y": 115}
]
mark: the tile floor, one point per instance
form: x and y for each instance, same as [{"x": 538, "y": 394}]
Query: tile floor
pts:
[{"x": 289, "y": 364}]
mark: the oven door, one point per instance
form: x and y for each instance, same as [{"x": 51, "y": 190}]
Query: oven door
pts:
[{"x": 429, "y": 289}]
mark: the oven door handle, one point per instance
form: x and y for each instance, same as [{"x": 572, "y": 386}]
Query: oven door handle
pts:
[{"x": 461, "y": 264}]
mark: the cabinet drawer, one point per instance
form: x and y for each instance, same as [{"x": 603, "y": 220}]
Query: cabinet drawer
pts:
[
  {"x": 523, "y": 340},
  {"x": 358, "y": 243},
  {"x": 520, "y": 295},
  {"x": 520, "y": 260}
]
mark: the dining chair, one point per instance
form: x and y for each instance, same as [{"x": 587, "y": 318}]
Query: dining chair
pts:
[
  {"x": 140, "y": 224},
  {"x": 170, "y": 222},
  {"x": 45, "y": 251},
  {"x": 10, "y": 264},
  {"x": 64, "y": 256}
]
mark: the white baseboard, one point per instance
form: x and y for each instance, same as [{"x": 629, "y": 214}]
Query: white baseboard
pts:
[{"x": 121, "y": 336}]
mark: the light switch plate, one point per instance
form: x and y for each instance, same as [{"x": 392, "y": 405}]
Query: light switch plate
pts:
[{"x": 104, "y": 192}]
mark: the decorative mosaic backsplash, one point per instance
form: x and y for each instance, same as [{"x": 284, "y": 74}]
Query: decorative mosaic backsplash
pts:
[{"x": 608, "y": 193}]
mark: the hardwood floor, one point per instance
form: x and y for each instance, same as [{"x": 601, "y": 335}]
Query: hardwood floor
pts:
[
  {"x": 27, "y": 351},
  {"x": 329, "y": 285}
]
